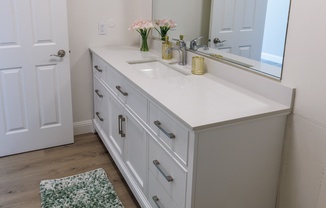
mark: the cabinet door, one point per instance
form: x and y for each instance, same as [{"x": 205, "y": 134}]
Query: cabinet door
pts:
[
  {"x": 135, "y": 150},
  {"x": 116, "y": 124}
]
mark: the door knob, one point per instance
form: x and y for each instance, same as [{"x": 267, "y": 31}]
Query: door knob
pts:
[
  {"x": 61, "y": 53},
  {"x": 217, "y": 40}
]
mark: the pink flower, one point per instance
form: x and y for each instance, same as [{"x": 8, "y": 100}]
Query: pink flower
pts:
[
  {"x": 165, "y": 23},
  {"x": 141, "y": 24},
  {"x": 164, "y": 26}
]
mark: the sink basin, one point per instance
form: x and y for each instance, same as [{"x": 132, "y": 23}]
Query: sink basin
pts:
[{"x": 156, "y": 69}]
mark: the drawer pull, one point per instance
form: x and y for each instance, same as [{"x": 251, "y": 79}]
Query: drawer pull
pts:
[
  {"x": 156, "y": 199},
  {"x": 167, "y": 177},
  {"x": 119, "y": 88},
  {"x": 121, "y": 119},
  {"x": 99, "y": 117},
  {"x": 170, "y": 135},
  {"x": 98, "y": 93},
  {"x": 97, "y": 68}
]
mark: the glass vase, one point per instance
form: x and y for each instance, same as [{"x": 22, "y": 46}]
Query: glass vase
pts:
[
  {"x": 144, "y": 44},
  {"x": 163, "y": 34}
]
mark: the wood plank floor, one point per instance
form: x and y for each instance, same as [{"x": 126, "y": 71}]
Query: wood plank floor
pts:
[{"x": 20, "y": 175}]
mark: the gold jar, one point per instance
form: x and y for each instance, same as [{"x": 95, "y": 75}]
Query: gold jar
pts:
[
  {"x": 165, "y": 46},
  {"x": 165, "y": 54},
  {"x": 198, "y": 65}
]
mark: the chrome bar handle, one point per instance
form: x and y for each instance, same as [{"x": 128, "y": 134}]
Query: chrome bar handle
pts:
[
  {"x": 119, "y": 88},
  {"x": 98, "y": 116},
  {"x": 121, "y": 119},
  {"x": 156, "y": 199},
  {"x": 98, "y": 93},
  {"x": 170, "y": 135},
  {"x": 97, "y": 68},
  {"x": 167, "y": 177}
]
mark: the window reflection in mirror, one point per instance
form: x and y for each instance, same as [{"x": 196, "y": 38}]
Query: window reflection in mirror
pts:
[{"x": 248, "y": 31}]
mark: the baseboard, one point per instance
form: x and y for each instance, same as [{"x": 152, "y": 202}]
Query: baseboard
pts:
[{"x": 83, "y": 127}]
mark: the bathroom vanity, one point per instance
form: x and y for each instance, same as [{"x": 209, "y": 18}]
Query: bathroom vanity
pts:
[{"x": 188, "y": 141}]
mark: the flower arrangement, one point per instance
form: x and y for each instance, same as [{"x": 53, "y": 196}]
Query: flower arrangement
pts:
[
  {"x": 164, "y": 26},
  {"x": 143, "y": 27}
]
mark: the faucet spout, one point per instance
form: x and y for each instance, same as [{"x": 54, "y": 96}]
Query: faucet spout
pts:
[{"x": 182, "y": 52}]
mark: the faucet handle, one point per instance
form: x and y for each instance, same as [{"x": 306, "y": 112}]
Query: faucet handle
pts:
[
  {"x": 180, "y": 42},
  {"x": 177, "y": 41},
  {"x": 193, "y": 43},
  {"x": 200, "y": 37}
]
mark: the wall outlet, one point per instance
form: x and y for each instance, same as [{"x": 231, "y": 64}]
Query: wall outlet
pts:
[{"x": 102, "y": 28}]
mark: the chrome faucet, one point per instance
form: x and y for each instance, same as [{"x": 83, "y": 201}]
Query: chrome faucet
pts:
[
  {"x": 181, "y": 48},
  {"x": 194, "y": 46}
]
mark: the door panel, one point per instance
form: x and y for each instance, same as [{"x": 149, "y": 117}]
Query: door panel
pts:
[
  {"x": 42, "y": 22},
  {"x": 13, "y": 101},
  {"x": 135, "y": 150},
  {"x": 8, "y": 34},
  {"x": 240, "y": 23},
  {"x": 35, "y": 100},
  {"x": 48, "y": 95}
]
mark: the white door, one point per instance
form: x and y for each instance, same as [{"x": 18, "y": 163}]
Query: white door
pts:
[
  {"x": 35, "y": 89},
  {"x": 240, "y": 24}
]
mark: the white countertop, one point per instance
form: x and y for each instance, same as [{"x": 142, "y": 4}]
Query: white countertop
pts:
[{"x": 199, "y": 101}]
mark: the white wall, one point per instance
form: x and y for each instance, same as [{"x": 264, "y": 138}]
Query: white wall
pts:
[
  {"x": 303, "y": 180},
  {"x": 189, "y": 20},
  {"x": 275, "y": 28},
  {"x": 83, "y": 18}
]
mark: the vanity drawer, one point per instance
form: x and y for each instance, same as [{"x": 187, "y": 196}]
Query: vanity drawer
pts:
[
  {"x": 170, "y": 132},
  {"x": 113, "y": 79},
  {"x": 99, "y": 68},
  {"x": 101, "y": 101},
  {"x": 157, "y": 196},
  {"x": 102, "y": 118},
  {"x": 134, "y": 100},
  {"x": 100, "y": 93},
  {"x": 168, "y": 172}
]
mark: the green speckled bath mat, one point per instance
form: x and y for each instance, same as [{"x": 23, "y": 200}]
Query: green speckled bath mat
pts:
[{"x": 91, "y": 189}]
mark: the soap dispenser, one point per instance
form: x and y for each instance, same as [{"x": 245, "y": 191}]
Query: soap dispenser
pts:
[{"x": 165, "y": 46}]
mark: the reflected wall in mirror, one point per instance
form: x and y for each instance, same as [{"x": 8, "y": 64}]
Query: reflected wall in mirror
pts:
[
  {"x": 192, "y": 17},
  {"x": 248, "y": 31}
]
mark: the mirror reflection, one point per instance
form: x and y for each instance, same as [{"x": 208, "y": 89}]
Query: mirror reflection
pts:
[{"x": 251, "y": 32}]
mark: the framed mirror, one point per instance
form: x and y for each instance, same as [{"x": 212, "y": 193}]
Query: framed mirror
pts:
[{"x": 248, "y": 33}]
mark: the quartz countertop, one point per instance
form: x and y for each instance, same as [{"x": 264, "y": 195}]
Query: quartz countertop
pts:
[{"x": 199, "y": 101}]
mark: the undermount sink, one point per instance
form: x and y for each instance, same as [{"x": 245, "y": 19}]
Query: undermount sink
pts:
[{"x": 156, "y": 69}]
